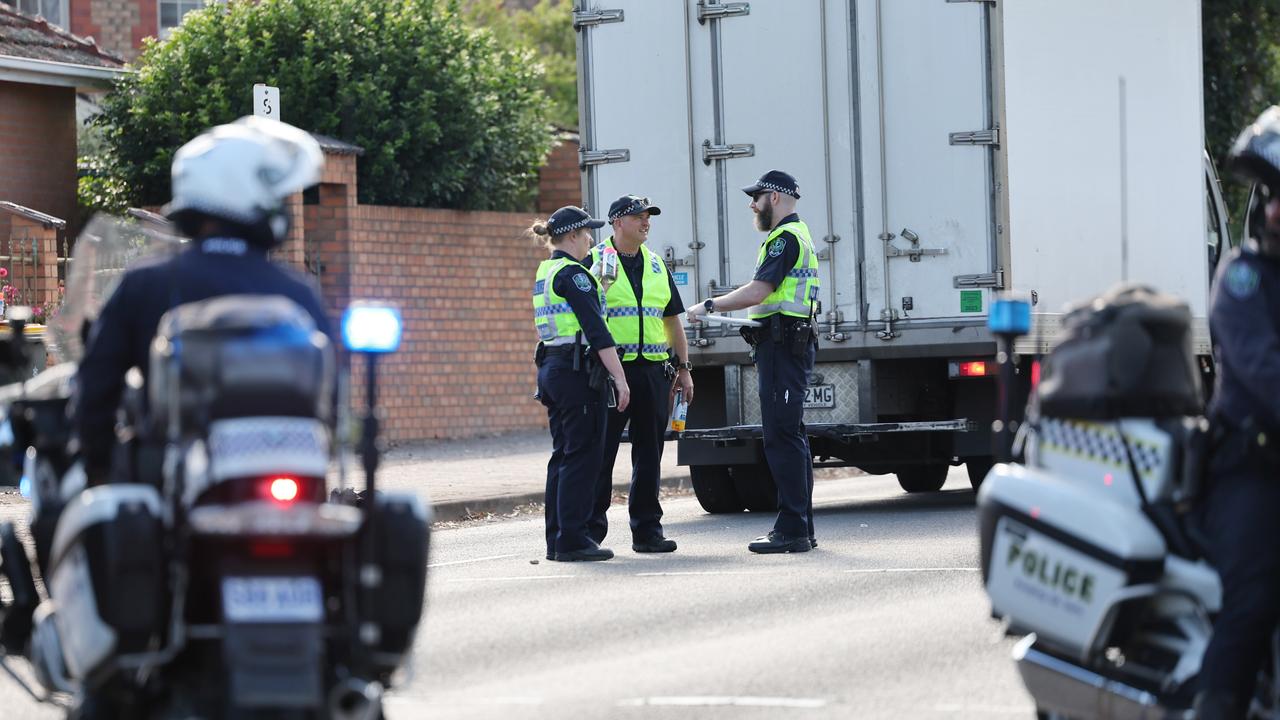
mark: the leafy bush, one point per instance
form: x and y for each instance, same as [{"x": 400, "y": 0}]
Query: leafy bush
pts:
[
  {"x": 448, "y": 116},
  {"x": 547, "y": 28}
]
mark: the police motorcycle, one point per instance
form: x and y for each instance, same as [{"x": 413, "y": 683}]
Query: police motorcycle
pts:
[
  {"x": 1088, "y": 544},
  {"x": 221, "y": 581}
]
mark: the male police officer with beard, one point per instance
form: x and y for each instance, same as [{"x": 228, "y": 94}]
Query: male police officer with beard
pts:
[
  {"x": 229, "y": 187},
  {"x": 782, "y": 299},
  {"x": 1243, "y": 499}
]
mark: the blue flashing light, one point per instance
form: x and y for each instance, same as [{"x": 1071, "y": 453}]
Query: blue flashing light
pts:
[
  {"x": 24, "y": 487},
  {"x": 1010, "y": 316},
  {"x": 369, "y": 327}
]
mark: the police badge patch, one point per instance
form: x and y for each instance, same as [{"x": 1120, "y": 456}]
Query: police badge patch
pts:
[
  {"x": 776, "y": 247},
  {"x": 1242, "y": 281},
  {"x": 583, "y": 283}
]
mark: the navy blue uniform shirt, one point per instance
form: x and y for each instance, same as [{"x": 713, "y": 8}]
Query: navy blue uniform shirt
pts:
[
  {"x": 774, "y": 269},
  {"x": 584, "y": 303},
  {"x": 121, "y": 337},
  {"x": 1244, "y": 320}
]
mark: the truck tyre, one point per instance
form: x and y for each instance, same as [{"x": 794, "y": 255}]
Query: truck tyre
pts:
[
  {"x": 978, "y": 468},
  {"x": 923, "y": 478},
  {"x": 714, "y": 488},
  {"x": 755, "y": 487}
]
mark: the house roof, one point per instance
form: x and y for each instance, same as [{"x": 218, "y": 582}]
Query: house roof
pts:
[{"x": 33, "y": 51}]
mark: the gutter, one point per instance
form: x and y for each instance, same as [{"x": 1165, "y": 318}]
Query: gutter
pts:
[{"x": 50, "y": 72}]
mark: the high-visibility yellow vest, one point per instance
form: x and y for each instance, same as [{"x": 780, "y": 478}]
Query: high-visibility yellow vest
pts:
[
  {"x": 637, "y": 326},
  {"x": 797, "y": 292},
  {"x": 552, "y": 316}
]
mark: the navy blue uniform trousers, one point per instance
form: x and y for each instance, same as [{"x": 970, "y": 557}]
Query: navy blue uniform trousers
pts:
[
  {"x": 647, "y": 417},
  {"x": 576, "y": 415},
  {"x": 783, "y": 377},
  {"x": 1241, "y": 513}
]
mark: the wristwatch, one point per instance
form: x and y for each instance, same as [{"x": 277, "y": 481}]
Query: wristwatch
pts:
[
  {"x": 709, "y": 304},
  {"x": 686, "y": 365}
]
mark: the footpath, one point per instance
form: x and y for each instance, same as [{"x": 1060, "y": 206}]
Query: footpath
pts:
[{"x": 497, "y": 474}]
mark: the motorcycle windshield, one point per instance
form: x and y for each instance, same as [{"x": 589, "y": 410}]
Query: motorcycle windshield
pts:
[{"x": 106, "y": 247}]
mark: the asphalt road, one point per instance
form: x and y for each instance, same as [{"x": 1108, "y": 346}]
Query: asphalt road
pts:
[{"x": 886, "y": 619}]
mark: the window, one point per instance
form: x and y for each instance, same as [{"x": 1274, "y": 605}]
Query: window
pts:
[
  {"x": 55, "y": 11},
  {"x": 172, "y": 12}
]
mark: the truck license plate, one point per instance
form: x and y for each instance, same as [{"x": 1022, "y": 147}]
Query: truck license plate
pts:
[
  {"x": 819, "y": 396},
  {"x": 271, "y": 599}
]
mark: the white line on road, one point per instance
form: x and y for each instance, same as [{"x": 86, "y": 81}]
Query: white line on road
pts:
[
  {"x": 717, "y": 700},
  {"x": 460, "y": 562},
  {"x": 702, "y": 572},
  {"x": 911, "y": 570},
  {"x": 512, "y": 577}
]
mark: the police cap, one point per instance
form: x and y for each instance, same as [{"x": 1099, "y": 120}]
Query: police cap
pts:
[
  {"x": 570, "y": 218},
  {"x": 631, "y": 205},
  {"x": 774, "y": 181}
]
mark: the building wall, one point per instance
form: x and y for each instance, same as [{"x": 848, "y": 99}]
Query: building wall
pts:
[
  {"x": 118, "y": 26},
  {"x": 38, "y": 147}
]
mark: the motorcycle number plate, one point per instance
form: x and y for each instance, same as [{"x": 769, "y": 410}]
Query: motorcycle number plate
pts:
[
  {"x": 272, "y": 599},
  {"x": 819, "y": 396}
]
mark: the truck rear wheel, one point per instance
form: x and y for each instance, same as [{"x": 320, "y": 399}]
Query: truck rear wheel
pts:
[
  {"x": 755, "y": 487},
  {"x": 978, "y": 468},
  {"x": 923, "y": 478},
  {"x": 714, "y": 488}
]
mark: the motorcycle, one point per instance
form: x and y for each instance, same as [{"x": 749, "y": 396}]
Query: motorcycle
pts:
[
  {"x": 1089, "y": 546},
  {"x": 221, "y": 580}
]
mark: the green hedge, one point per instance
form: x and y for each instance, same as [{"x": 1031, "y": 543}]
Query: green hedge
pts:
[{"x": 448, "y": 117}]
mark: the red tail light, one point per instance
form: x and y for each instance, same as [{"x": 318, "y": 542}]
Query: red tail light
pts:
[
  {"x": 976, "y": 368},
  {"x": 1035, "y": 374},
  {"x": 283, "y": 489}
]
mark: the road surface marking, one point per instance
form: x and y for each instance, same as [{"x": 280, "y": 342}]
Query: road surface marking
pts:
[
  {"x": 512, "y": 577},
  {"x": 724, "y": 700},
  {"x": 911, "y": 570},
  {"x": 703, "y": 572},
  {"x": 460, "y": 562}
]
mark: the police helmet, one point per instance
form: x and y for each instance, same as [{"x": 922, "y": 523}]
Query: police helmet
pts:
[
  {"x": 1255, "y": 157},
  {"x": 240, "y": 175}
]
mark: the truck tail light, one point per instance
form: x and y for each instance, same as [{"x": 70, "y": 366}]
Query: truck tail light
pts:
[{"x": 971, "y": 368}]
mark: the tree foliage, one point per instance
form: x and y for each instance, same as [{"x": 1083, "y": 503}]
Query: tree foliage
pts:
[
  {"x": 448, "y": 115},
  {"x": 1241, "y": 40},
  {"x": 546, "y": 29}
]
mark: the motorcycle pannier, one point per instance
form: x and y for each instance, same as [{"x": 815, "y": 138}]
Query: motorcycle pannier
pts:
[
  {"x": 1125, "y": 353},
  {"x": 239, "y": 356}
]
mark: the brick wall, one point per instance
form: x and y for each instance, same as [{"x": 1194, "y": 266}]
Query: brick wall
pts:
[
  {"x": 38, "y": 147},
  {"x": 118, "y": 26},
  {"x": 559, "y": 181}
]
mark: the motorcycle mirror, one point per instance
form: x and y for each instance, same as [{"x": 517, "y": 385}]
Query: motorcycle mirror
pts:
[{"x": 370, "y": 327}]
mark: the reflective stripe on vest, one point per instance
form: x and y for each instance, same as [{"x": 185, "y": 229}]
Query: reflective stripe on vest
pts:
[
  {"x": 795, "y": 295},
  {"x": 553, "y": 318},
  {"x": 638, "y": 327}
]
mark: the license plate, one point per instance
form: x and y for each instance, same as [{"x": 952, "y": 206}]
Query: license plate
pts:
[
  {"x": 271, "y": 599},
  {"x": 820, "y": 396}
]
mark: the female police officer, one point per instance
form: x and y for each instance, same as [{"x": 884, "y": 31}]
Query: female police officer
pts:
[{"x": 568, "y": 312}]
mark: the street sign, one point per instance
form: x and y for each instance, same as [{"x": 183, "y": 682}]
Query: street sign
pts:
[{"x": 266, "y": 101}]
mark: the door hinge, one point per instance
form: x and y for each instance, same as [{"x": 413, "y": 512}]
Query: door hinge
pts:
[
  {"x": 716, "y": 11},
  {"x": 976, "y": 137},
  {"x": 590, "y": 18},
  {"x": 725, "y": 152},
  {"x": 587, "y": 158},
  {"x": 980, "y": 280}
]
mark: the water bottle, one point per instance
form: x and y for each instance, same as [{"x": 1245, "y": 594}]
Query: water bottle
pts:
[
  {"x": 608, "y": 266},
  {"x": 679, "y": 412}
]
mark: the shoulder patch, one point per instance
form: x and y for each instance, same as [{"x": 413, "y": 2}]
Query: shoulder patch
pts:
[
  {"x": 582, "y": 281},
  {"x": 777, "y": 246},
  {"x": 1241, "y": 280}
]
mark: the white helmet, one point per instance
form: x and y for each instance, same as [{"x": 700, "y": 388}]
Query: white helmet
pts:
[{"x": 242, "y": 172}]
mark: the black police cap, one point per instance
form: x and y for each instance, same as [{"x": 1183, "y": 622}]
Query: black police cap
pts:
[
  {"x": 774, "y": 181},
  {"x": 570, "y": 218},
  {"x": 631, "y": 205}
]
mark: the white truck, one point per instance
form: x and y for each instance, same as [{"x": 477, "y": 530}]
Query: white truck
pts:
[{"x": 946, "y": 150}]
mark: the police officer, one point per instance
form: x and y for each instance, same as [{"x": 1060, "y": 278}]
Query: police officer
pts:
[
  {"x": 782, "y": 299},
  {"x": 644, "y": 309},
  {"x": 229, "y": 187},
  {"x": 1243, "y": 500},
  {"x": 568, "y": 312}
]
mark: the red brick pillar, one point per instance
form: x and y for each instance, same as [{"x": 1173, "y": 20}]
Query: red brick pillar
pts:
[
  {"x": 560, "y": 179},
  {"x": 33, "y": 251}
]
